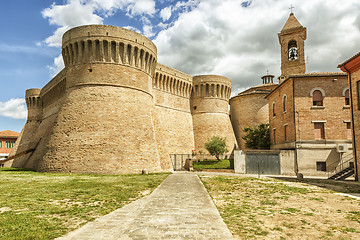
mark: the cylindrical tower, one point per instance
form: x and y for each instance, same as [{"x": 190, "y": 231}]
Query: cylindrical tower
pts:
[
  {"x": 250, "y": 108},
  {"x": 210, "y": 110},
  {"x": 105, "y": 124},
  {"x": 26, "y": 141}
]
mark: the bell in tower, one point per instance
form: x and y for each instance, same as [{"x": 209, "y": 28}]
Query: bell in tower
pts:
[
  {"x": 292, "y": 39},
  {"x": 292, "y": 49}
]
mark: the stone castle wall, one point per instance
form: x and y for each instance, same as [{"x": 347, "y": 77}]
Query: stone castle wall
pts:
[
  {"x": 115, "y": 110},
  {"x": 174, "y": 128}
]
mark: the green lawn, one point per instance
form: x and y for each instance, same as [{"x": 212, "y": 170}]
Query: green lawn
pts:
[
  {"x": 212, "y": 164},
  {"x": 47, "y": 205}
]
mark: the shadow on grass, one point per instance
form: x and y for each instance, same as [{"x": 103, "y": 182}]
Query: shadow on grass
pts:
[
  {"x": 17, "y": 170},
  {"x": 348, "y": 186}
]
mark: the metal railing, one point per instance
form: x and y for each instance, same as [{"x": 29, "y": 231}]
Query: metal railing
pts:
[{"x": 344, "y": 163}]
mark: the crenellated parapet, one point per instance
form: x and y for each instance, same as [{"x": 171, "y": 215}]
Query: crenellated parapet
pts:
[
  {"x": 172, "y": 81},
  {"x": 32, "y": 97},
  {"x": 108, "y": 44},
  {"x": 212, "y": 86},
  {"x": 34, "y": 104},
  {"x": 210, "y": 110}
]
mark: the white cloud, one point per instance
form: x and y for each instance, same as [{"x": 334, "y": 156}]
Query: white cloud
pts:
[
  {"x": 165, "y": 13},
  {"x": 57, "y": 66},
  {"x": 148, "y": 31},
  {"x": 163, "y": 25},
  {"x": 226, "y": 38},
  {"x": 14, "y": 108},
  {"x": 83, "y": 12}
]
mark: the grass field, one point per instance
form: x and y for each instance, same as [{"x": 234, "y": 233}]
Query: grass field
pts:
[
  {"x": 212, "y": 164},
  {"x": 273, "y": 209},
  {"x": 47, "y": 205}
]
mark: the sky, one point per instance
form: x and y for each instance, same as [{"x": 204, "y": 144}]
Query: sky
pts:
[{"x": 234, "y": 38}]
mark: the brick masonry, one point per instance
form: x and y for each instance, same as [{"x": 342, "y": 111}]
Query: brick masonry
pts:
[{"x": 114, "y": 110}]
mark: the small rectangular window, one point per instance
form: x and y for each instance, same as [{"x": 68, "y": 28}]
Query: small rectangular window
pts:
[
  {"x": 319, "y": 132},
  {"x": 321, "y": 166},
  {"x": 285, "y": 133},
  {"x": 348, "y": 130},
  {"x": 9, "y": 144},
  {"x": 274, "y": 130}
]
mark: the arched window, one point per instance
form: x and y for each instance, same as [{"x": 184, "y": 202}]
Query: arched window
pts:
[
  {"x": 317, "y": 98},
  {"x": 347, "y": 98},
  {"x": 284, "y": 103},
  {"x": 292, "y": 50}
]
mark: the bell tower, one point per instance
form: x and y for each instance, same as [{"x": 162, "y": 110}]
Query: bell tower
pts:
[{"x": 291, "y": 39}]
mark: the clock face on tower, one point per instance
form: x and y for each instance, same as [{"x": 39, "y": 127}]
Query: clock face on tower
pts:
[{"x": 293, "y": 53}]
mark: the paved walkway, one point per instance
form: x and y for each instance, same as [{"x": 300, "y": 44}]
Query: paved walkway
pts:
[{"x": 180, "y": 208}]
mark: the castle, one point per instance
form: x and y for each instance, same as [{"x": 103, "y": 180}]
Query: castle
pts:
[{"x": 114, "y": 110}]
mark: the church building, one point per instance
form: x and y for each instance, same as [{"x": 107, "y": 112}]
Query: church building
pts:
[{"x": 309, "y": 112}]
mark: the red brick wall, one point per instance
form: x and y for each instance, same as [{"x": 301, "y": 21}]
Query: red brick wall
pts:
[
  {"x": 282, "y": 118},
  {"x": 355, "y": 77},
  {"x": 333, "y": 111},
  {"x": 3, "y": 148}
]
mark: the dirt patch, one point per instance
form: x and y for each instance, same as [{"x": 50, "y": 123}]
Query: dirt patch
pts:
[{"x": 274, "y": 209}]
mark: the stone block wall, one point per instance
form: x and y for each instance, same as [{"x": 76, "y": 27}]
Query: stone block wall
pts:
[{"x": 114, "y": 109}]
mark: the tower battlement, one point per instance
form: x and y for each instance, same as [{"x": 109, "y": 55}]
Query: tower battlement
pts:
[
  {"x": 108, "y": 44},
  {"x": 212, "y": 86},
  {"x": 32, "y": 98}
]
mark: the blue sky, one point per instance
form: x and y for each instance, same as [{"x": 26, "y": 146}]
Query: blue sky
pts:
[{"x": 234, "y": 38}]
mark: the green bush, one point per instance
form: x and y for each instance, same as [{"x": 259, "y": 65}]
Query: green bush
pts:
[
  {"x": 257, "y": 138},
  {"x": 216, "y": 146}
]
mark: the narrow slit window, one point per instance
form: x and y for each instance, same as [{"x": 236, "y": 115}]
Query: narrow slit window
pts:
[{"x": 347, "y": 98}]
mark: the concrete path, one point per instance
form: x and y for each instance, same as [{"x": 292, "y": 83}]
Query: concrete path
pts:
[{"x": 180, "y": 208}]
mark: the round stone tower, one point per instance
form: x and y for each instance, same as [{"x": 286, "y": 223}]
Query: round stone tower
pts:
[
  {"x": 34, "y": 107},
  {"x": 210, "y": 110},
  {"x": 105, "y": 124},
  {"x": 250, "y": 108}
]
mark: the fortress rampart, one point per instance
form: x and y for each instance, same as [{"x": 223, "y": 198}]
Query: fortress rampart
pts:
[
  {"x": 210, "y": 110},
  {"x": 174, "y": 128},
  {"x": 114, "y": 110}
]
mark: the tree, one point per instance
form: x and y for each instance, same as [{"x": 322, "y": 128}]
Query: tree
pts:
[
  {"x": 257, "y": 138},
  {"x": 216, "y": 146}
]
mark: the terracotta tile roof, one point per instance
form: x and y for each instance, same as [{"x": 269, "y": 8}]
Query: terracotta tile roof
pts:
[
  {"x": 8, "y": 133},
  {"x": 348, "y": 60},
  {"x": 318, "y": 74}
]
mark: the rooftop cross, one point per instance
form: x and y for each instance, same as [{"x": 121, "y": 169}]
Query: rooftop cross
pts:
[{"x": 291, "y": 8}]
